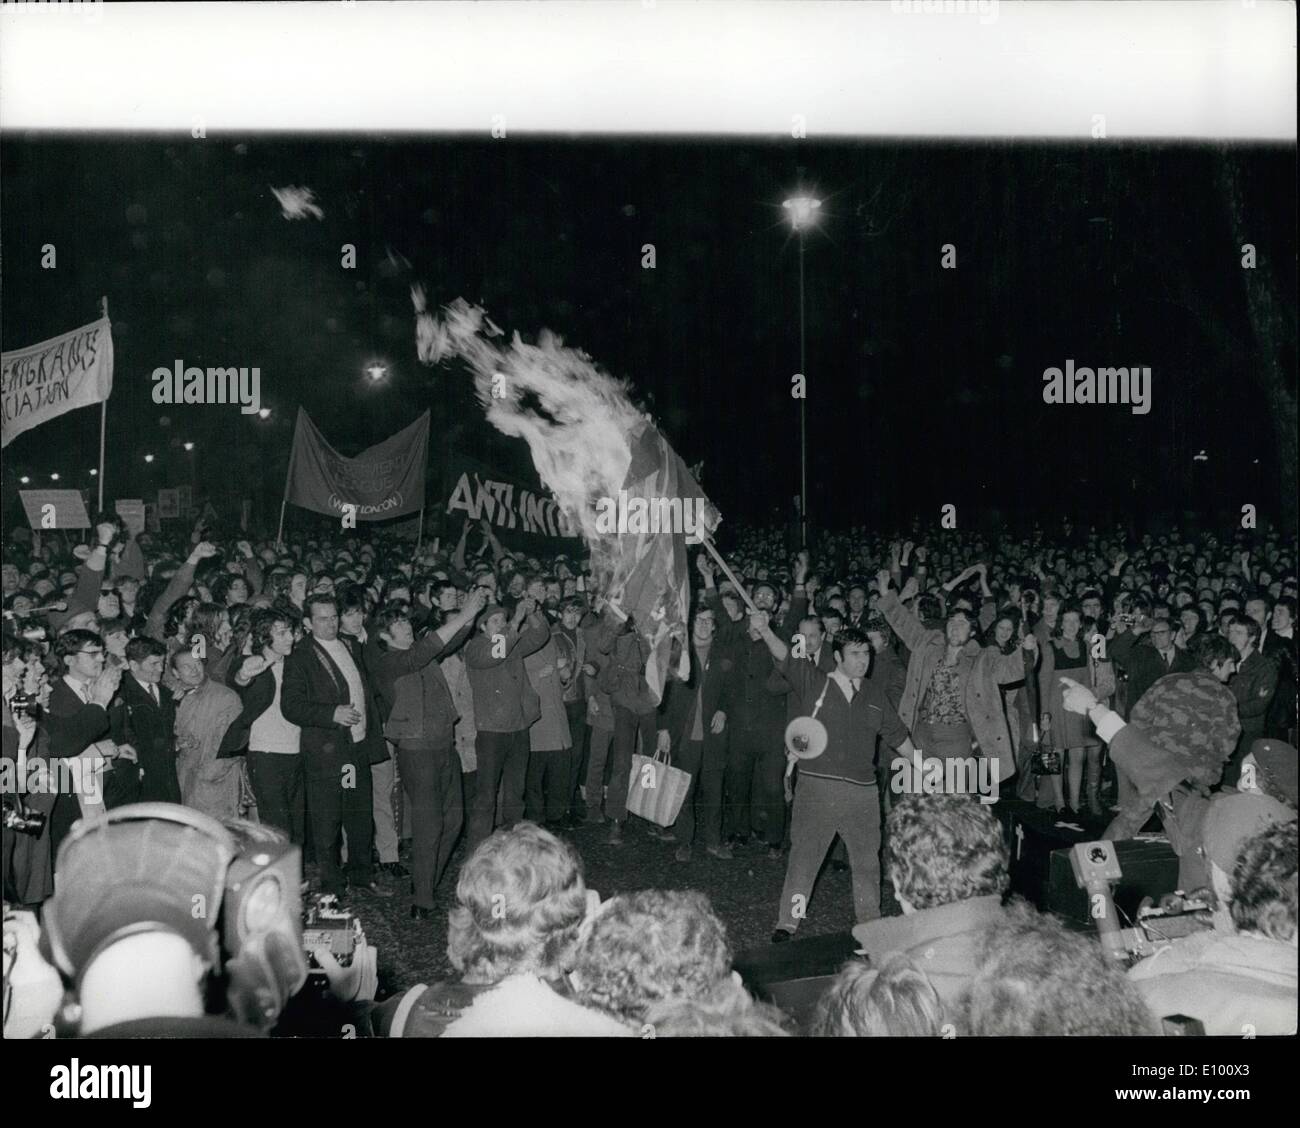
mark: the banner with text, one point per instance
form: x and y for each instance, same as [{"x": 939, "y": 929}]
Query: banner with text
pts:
[
  {"x": 385, "y": 481},
  {"x": 43, "y": 381},
  {"x": 526, "y": 516}
]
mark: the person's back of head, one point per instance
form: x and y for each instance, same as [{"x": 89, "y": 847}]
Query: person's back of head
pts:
[
  {"x": 944, "y": 848},
  {"x": 1034, "y": 977},
  {"x": 727, "y": 1011},
  {"x": 521, "y": 900},
  {"x": 895, "y": 1000},
  {"x": 646, "y": 947},
  {"x": 1264, "y": 884}
]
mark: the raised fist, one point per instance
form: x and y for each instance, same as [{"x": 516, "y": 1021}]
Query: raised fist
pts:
[{"x": 204, "y": 550}]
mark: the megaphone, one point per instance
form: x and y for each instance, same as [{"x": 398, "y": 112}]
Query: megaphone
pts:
[{"x": 805, "y": 738}]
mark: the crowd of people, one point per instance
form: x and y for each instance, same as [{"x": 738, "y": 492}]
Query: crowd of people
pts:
[{"x": 354, "y": 697}]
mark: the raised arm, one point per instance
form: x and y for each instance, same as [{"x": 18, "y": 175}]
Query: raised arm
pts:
[
  {"x": 907, "y": 626},
  {"x": 175, "y": 589}
]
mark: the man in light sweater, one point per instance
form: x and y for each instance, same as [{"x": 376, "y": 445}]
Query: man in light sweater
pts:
[
  {"x": 274, "y": 764},
  {"x": 837, "y": 792}
]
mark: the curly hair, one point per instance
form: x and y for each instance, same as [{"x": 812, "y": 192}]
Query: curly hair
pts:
[
  {"x": 945, "y": 848},
  {"x": 895, "y": 1000},
  {"x": 521, "y": 900},
  {"x": 263, "y": 623},
  {"x": 1264, "y": 883},
  {"x": 1211, "y": 649},
  {"x": 727, "y": 1011},
  {"x": 647, "y": 947},
  {"x": 1034, "y": 977}
]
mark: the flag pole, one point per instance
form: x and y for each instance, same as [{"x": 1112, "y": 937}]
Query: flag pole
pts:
[
  {"x": 103, "y": 419},
  {"x": 419, "y": 535},
  {"x": 288, "y": 474},
  {"x": 704, "y": 540}
]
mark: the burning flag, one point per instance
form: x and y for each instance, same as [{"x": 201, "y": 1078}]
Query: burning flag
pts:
[
  {"x": 297, "y": 203},
  {"x": 614, "y": 475}
]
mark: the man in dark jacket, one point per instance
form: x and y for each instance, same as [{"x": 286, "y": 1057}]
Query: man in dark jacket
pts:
[
  {"x": 1253, "y": 686},
  {"x": 693, "y": 723},
  {"x": 1149, "y": 656},
  {"x": 327, "y": 693},
  {"x": 420, "y": 718},
  {"x": 144, "y": 716},
  {"x": 505, "y": 705}
]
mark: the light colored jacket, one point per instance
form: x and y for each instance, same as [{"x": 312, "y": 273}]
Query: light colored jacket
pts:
[
  {"x": 985, "y": 669},
  {"x": 551, "y": 729}
]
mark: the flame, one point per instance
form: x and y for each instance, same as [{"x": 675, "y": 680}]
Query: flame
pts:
[{"x": 576, "y": 418}]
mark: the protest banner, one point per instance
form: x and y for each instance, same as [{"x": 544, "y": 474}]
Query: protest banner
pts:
[{"x": 41, "y": 382}]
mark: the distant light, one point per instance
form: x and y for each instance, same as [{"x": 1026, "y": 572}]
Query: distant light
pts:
[
  {"x": 148, "y": 457},
  {"x": 189, "y": 446},
  {"x": 264, "y": 413},
  {"x": 24, "y": 479},
  {"x": 54, "y": 477},
  {"x": 1200, "y": 456},
  {"x": 376, "y": 372},
  {"x": 803, "y": 210},
  {"x": 93, "y": 471}
]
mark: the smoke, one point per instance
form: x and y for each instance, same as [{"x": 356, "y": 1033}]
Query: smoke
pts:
[{"x": 576, "y": 419}]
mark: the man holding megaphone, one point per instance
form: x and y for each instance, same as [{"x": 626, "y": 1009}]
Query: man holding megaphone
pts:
[{"x": 835, "y": 743}]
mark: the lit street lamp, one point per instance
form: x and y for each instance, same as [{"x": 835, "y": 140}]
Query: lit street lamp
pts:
[
  {"x": 54, "y": 477},
  {"x": 376, "y": 372},
  {"x": 803, "y": 214},
  {"x": 264, "y": 413},
  {"x": 148, "y": 457}
]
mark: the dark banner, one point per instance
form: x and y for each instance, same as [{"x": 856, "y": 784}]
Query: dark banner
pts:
[
  {"x": 522, "y": 515},
  {"x": 385, "y": 481}
]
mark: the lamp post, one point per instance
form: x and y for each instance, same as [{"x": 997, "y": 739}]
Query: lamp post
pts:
[{"x": 803, "y": 213}]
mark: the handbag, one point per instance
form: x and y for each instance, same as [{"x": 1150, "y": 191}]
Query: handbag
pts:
[{"x": 656, "y": 790}]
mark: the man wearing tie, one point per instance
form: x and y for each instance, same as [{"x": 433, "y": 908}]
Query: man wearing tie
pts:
[
  {"x": 327, "y": 694},
  {"x": 837, "y": 790},
  {"x": 1147, "y": 663},
  {"x": 144, "y": 716}
]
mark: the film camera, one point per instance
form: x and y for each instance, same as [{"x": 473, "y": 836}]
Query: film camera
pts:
[
  {"x": 24, "y": 821},
  {"x": 24, "y": 704},
  {"x": 327, "y": 927}
]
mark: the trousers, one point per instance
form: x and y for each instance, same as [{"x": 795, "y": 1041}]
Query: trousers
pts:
[
  {"x": 702, "y": 808},
  {"x": 279, "y": 788},
  {"x": 383, "y": 780},
  {"x": 431, "y": 779},
  {"x": 339, "y": 798},
  {"x": 550, "y": 779},
  {"x": 503, "y": 767},
  {"x": 824, "y": 808},
  {"x": 753, "y": 782},
  {"x": 627, "y": 727}
]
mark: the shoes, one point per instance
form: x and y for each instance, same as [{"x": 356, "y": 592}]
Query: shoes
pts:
[
  {"x": 394, "y": 869},
  {"x": 722, "y": 851},
  {"x": 782, "y": 936},
  {"x": 739, "y": 840},
  {"x": 372, "y": 887},
  {"x": 775, "y": 853},
  {"x": 615, "y": 834},
  {"x": 419, "y": 912},
  {"x": 683, "y": 854},
  {"x": 663, "y": 835}
]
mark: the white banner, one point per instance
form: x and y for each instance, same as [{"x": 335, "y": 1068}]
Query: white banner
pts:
[{"x": 43, "y": 381}]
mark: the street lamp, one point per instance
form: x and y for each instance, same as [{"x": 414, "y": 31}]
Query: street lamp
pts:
[
  {"x": 54, "y": 477},
  {"x": 376, "y": 372},
  {"x": 92, "y": 472},
  {"x": 148, "y": 457},
  {"x": 189, "y": 446},
  {"x": 25, "y": 480},
  {"x": 803, "y": 214},
  {"x": 264, "y": 413}
]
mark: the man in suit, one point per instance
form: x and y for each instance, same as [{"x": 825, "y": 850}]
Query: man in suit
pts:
[
  {"x": 77, "y": 719},
  {"x": 328, "y": 695},
  {"x": 693, "y": 724},
  {"x": 1253, "y": 687},
  {"x": 144, "y": 716},
  {"x": 1148, "y": 659},
  {"x": 1280, "y": 647}
]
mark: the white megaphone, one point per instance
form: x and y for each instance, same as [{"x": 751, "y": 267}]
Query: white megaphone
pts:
[{"x": 806, "y": 738}]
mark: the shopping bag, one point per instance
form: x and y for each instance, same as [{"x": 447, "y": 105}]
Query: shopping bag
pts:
[{"x": 656, "y": 790}]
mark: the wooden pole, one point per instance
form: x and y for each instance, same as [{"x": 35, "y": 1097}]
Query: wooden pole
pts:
[
  {"x": 419, "y": 534},
  {"x": 708, "y": 544},
  {"x": 103, "y": 420}
]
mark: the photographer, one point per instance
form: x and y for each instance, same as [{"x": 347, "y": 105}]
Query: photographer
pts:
[{"x": 28, "y": 861}]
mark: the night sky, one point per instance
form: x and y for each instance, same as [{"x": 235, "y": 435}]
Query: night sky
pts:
[{"x": 925, "y": 385}]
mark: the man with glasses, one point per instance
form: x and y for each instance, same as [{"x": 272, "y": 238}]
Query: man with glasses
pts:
[
  {"x": 1147, "y": 653},
  {"x": 79, "y": 727}
]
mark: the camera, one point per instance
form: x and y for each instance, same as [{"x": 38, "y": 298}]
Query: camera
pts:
[
  {"x": 327, "y": 927},
  {"x": 24, "y": 822},
  {"x": 24, "y": 704}
]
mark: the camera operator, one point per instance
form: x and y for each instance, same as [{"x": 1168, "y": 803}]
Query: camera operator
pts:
[{"x": 28, "y": 860}]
